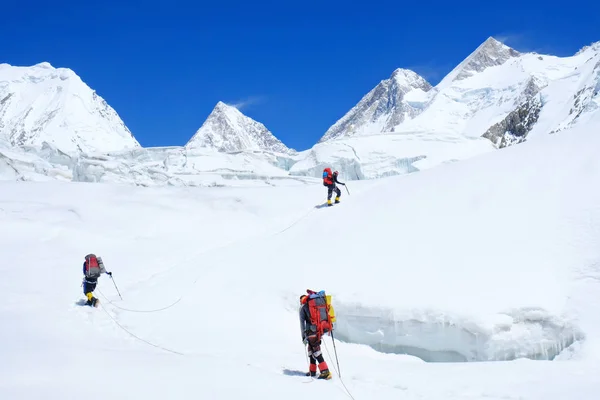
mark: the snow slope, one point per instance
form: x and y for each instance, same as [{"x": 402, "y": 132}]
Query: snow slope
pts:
[
  {"x": 228, "y": 130},
  {"x": 490, "y": 259},
  {"x": 45, "y": 104}
]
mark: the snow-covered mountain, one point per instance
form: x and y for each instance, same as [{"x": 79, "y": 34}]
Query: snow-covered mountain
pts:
[
  {"x": 228, "y": 130},
  {"x": 45, "y": 104},
  {"x": 496, "y": 93},
  {"x": 391, "y": 102},
  {"x": 506, "y": 96},
  {"x": 495, "y": 98},
  {"x": 489, "y": 54}
]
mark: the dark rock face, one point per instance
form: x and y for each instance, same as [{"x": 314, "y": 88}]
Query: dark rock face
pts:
[{"x": 514, "y": 128}]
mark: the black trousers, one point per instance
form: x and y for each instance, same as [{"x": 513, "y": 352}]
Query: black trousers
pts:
[
  {"x": 331, "y": 189},
  {"x": 89, "y": 287}
]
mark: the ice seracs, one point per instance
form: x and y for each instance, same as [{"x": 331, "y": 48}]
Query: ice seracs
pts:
[
  {"x": 45, "y": 104},
  {"x": 228, "y": 130}
]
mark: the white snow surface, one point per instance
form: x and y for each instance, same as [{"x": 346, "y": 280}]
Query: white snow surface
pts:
[
  {"x": 494, "y": 260},
  {"x": 45, "y": 104},
  {"x": 228, "y": 130}
]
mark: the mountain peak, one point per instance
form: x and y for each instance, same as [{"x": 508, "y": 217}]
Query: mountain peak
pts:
[
  {"x": 495, "y": 48},
  {"x": 408, "y": 77},
  {"x": 227, "y": 129},
  {"x": 38, "y": 106},
  {"x": 490, "y": 53},
  {"x": 403, "y": 72},
  {"x": 220, "y": 105},
  {"x": 491, "y": 41},
  {"x": 223, "y": 108},
  {"x": 384, "y": 107}
]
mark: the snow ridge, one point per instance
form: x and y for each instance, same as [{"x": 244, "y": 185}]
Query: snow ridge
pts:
[
  {"x": 228, "y": 130},
  {"x": 45, "y": 104}
]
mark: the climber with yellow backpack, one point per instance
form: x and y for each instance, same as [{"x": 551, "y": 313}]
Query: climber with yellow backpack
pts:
[{"x": 317, "y": 317}]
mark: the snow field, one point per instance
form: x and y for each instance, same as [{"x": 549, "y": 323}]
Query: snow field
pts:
[{"x": 503, "y": 245}]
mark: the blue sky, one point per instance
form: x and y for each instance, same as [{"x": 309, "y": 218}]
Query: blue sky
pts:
[{"x": 297, "y": 67}]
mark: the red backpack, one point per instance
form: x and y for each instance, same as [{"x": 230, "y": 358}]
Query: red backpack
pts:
[
  {"x": 327, "y": 177},
  {"x": 322, "y": 315},
  {"x": 92, "y": 266}
]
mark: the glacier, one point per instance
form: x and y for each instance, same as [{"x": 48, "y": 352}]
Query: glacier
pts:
[
  {"x": 156, "y": 166},
  {"x": 503, "y": 246}
]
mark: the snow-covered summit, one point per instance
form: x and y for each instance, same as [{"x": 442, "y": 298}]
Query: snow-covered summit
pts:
[
  {"x": 490, "y": 53},
  {"x": 228, "y": 130},
  {"x": 390, "y": 103},
  {"x": 41, "y": 104},
  {"x": 509, "y": 97}
]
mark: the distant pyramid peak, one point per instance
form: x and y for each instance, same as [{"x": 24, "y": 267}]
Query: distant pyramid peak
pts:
[
  {"x": 383, "y": 108},
  {"x": 488, "y": 54},
  {"x": 404, "y": 72},
  {"x": 493, "y": 46},
  {"x": 227, "y": 129},
  {"x": 492, "y": 41},
  {"x": 221, "y": 105}
]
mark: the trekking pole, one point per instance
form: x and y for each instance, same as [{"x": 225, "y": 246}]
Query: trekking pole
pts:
[
  {"x": 113, "y": 280},
  {"x": 336, "y": 357}
]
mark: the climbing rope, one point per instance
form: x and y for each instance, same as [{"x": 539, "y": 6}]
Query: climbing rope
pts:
[
  {"x": 295, "y": 222},
  {"x": 138, "y": 311},
  {"x": 194, "y": 256},
  {"x": 139, "y": 338},
  {"x": 336, "y": 371}
]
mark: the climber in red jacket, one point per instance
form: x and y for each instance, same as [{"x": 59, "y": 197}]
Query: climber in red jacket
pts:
[{"x": 329, "y": 180}]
